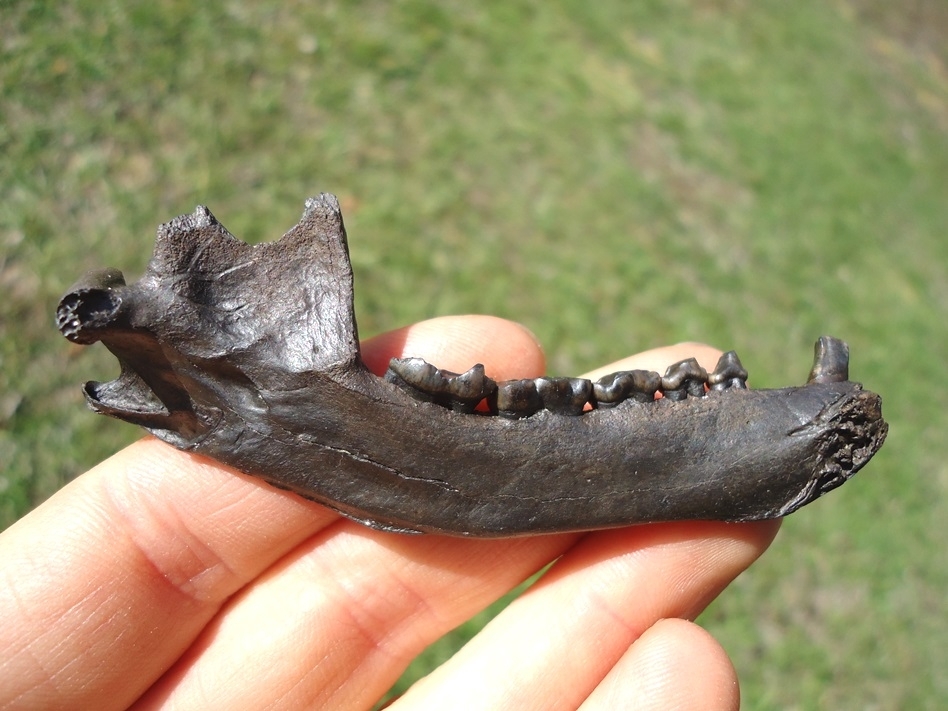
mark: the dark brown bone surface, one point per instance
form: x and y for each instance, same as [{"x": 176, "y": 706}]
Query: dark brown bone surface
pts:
[{"x": 250, "y": 355}]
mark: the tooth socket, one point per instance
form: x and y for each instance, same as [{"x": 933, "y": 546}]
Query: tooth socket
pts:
[
  {"x": 683, "y": 379},
  {"x": 728, "y": 373},
  {"x": 516, "y": 398},
  {"x": 639, "y": 385}
]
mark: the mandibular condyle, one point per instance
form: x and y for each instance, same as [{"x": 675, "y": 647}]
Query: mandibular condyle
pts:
[{"x": 250, "y": 355}]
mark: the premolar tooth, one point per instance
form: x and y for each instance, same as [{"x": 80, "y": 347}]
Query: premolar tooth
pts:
[
  {"x": 517, "y": 398},
  {"x": 728, "y": 373},
  {"x": 830, "y": 361},
  {"x": 614, "y": 388},
  {"x": 564, "y": 396},
  {"x": 684, "y": 378}
]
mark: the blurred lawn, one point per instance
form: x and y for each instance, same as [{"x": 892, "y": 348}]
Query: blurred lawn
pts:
[{"x": 614, "y": 175}]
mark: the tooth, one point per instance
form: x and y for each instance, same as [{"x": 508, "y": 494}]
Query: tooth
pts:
[
  {"x": 564, "y": 396},
  {"x": 612, "y": 389},
  {"x": 468, "y": 389},
  {"x": 830, "y": 361},
  {"x": 684, "y": 378},
  {"x": 645, "y": 383},
  {"x": 728, "y": 373},
  {"x": 639, "y": 385},
  {"x": 517, "y": 398},
  {"x": 418, "y": 378}
]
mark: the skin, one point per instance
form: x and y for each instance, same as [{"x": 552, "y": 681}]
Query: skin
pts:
[{"x": 161, "y": 579}]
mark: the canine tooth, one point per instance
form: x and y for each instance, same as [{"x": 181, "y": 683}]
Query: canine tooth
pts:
[
  {"x": 565, "y": 396},
  {"x": 614, "y": 388},
  {"x": 728, "y": 373},
  {"x": 684, "y": 378},
  {"x": 517, "y": 398},
  {"x": 830, "y": 361}
]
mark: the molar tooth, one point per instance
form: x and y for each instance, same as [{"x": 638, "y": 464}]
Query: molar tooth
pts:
[
  {"x": 645, "y": 383},
  {"x": 423, "y": 381},
  {"x": 614, "y": 388},
  {"x": 417, "y": 377},
  {"x": 728, "y": 373},
  {"x": 469, "y": 388},
  {"x": 564, "y": 396},
  {"x": 684, "y": 378},
  {"x": 517, "y": 398},
  {"x": 830, "y": 361}
]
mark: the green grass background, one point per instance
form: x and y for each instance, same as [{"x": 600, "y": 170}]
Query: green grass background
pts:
[{"x": 615, "y": 175}]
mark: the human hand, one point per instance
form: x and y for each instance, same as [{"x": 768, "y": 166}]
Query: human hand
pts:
[{"x": 161, "y": 578}]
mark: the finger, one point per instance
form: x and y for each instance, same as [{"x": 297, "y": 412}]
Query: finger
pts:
[
  {"x": 339, "y": 619},
  {"x": 556, "y": 643},
  {"x": 674, "y": 665},
  {"x": 110, "y": 580},
  {"x": 105, "y": 585}
]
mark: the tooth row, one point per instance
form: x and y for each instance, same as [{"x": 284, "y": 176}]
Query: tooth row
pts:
[{"x": 463, "y": 392}]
